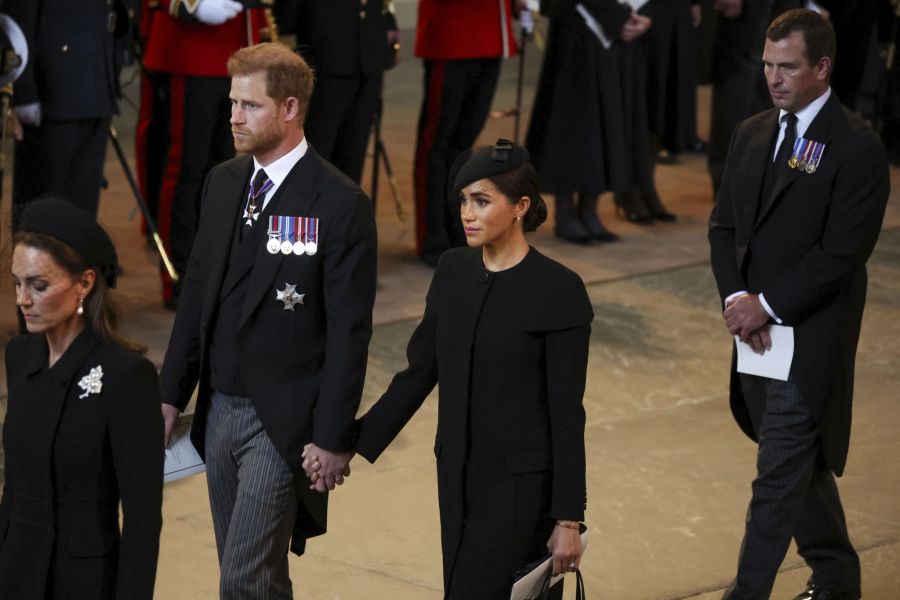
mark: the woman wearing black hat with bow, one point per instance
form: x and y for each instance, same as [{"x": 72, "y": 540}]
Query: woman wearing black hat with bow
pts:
[
  {"x": 506, "y": 333},
  {"x": 83, "y": 428}
]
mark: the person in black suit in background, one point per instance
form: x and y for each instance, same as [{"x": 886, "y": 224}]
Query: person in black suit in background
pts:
[
  {"x": 273, "y": 323},
  {"x": 82, "y": 428},
  {"x": 348, "y": 45},
  {"x": 65, "y": 99},
  {"x": 511, "y": 359},
  {"x": 800, "y": 208}
]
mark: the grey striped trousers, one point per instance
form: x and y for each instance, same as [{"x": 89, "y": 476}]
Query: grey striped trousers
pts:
[
  {"x": 794, "y": 495},
  {"x": 253, "y": 497}
]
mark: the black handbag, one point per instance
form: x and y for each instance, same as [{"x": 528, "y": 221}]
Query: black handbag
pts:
[{"x": 579, "y": 587}]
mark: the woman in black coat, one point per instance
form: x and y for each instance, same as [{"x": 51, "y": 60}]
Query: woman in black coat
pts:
[
  {"x": 83, "y": 429},
  {"x": 588, "y": 132},
  {"x": 506, "y": 333}
]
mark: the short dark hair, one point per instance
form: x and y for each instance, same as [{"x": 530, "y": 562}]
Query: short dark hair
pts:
[
  {"x": 818, "y": 34},
  {"x": 519, "y": 182}
]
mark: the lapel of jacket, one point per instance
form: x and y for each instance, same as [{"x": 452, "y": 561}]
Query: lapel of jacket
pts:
[
  {"x": 296, "y": 197},
  {"x": 228, "y": 204},
  {"x": 817, "y": 131},
  {"x": 753, "y": 168}
]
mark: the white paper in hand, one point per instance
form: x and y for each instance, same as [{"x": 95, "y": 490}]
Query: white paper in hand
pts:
[
  {"x": 774, "y": 363},
  {"x": 182, "y": 459},
  {"x": 529, "y": 585}
]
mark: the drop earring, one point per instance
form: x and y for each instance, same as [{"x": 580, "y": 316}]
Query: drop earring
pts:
[{"x": 80, "y": 309}]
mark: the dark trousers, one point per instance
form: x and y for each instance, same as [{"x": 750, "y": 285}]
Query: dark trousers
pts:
[
  {"x": 339, "y": 120},
  {"x": 458, "y": 95},
  {"x": 183, "y": 132},
  {"x": 253, "y": 497},
  {"x": 794, "y": 495},
  {"x": 62, "y": 157}
]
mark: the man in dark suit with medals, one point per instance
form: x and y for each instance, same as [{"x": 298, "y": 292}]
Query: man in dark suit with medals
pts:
[
  {"x": 274, "y": 323},
  {"x": 800, "y": 209}
]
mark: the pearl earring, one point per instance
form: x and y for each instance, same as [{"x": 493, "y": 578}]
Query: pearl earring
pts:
[{"x": 80, "y": 309}]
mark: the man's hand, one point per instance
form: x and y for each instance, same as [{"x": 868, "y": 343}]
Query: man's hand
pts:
[
  {"x": 216, "y": 12},
  {"x": 730, "y": 8},
  {"x": 325, "y": 469},
  {"x": 696, "y": 15},
  {"x": 636, "y": 26},
  {"x": 760, "y": 341},
  {"x": 170, "y": 417},
  {"x": 27, "y": 114},
  {"x": 565, "y": 547},
  {"x": 744, "y": 315}
]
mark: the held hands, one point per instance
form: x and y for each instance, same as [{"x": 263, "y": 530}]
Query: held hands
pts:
[
  {"x": 170, "y": 417},
  {"x": 325, "y": 469},
  {"x": 746, "y": 318},
  {"x": 565, "y": 548},
  {"x": 636, "y": 26},
  {"x": 216, "y": 12}
]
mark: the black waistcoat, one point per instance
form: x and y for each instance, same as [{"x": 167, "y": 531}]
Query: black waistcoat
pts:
[{"x": 225, "y": 371}]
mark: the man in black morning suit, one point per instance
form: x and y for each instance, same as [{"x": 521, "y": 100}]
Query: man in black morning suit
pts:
[
  {"x": 789, "y": 244},
  {"x": 274, "y": 326}
]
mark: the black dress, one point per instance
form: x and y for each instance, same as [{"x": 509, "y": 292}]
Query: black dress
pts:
[
  {"x": 511, "y": 349},
  {"x": 72, "y": 454},
  {"x": 588, "y": 130}
]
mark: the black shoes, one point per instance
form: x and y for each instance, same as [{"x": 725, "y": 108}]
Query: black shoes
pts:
[
  {"x": 580, "y": 225},
  {"x": 630, "y": 205},
  {"x": 814, "y": 592},
  {"x": 656, "y": 208}
]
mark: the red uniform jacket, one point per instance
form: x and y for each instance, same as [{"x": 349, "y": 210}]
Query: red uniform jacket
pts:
[
  {"x": 181, "y": 47},
  {"x": 461, "y": 29}
]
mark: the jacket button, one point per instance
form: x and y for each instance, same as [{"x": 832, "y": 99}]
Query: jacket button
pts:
[
  {"x": 485, "y": 277},
  {"x": 65, "y": 48}
]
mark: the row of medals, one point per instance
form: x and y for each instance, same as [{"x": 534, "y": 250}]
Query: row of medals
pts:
[
  {"x": 286, "y": 247},
  {"x": 797, "y": 163}
]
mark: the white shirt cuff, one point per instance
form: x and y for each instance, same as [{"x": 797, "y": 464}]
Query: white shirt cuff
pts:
[{"x": 765, "y": 305}]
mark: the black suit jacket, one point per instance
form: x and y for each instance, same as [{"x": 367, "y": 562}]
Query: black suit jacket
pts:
[
  {"x": 70, "y": 458},
  {"x": 344, "y": 38},
  {"x": 304, "y": 370},
  {"x": 805, "y": 247},
  {"x": 72, "y": 68},
  {"x": 537, "y": 425}
]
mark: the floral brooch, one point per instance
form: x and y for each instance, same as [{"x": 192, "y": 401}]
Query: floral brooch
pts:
[{"x": 92, "y": 383}]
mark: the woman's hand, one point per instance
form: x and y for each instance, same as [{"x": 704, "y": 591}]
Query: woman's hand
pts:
[
  {"x": 636, "y": 26},
  {"x": 565, "y": 548}
]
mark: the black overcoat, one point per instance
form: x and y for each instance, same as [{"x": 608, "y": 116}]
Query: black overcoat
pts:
[
  {"x": 71, "y": 457},
  {"x": 588, "y": 130},
  {"x": 805, "y": 247},
  {"x": 303, "y": 369},
  {"x": 534, "y": 415}
]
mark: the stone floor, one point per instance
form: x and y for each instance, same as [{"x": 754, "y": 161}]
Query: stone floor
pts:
[{"x": 668, "y": 470}]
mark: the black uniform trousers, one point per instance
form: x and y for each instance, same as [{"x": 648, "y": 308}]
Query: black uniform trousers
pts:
[
  {"x": 60, "y": 157},
  {"x": 340, "y": 117},
  {"x": 186, "y": 132},
  {"x": 794, "y": 495},
  {"x": 457, "y": 100}
]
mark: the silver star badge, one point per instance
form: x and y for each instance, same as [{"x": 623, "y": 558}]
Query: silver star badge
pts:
[
  {"x": 251, "y": 214},
  {"x": 289, "y": 296}
]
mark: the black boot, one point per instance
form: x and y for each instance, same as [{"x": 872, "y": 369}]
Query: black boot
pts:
[
  {"x": 568, "y": 226},
  {"x": 587, "y": 213},
  {"x": 630, "y": 205},
  {"x": 655, "y": 206}
]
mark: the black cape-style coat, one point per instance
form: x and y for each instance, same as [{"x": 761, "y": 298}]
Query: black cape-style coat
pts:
[
  {"x": 72, "y": 454},
  {"x": 805, "y": 247},
  {"x": 535, "y": 426}
]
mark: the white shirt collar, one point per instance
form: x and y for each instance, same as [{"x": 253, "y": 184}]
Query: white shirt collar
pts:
[
  {"x": 805, "y": 115},
  {"x": 278, "y": 169}
]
